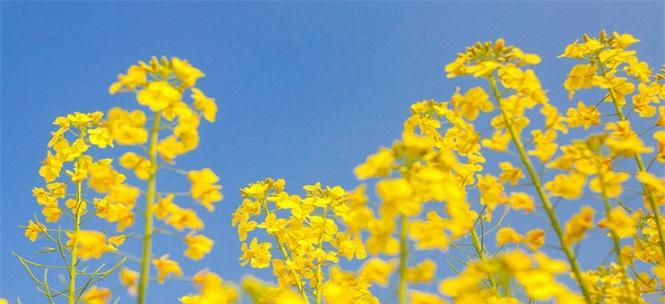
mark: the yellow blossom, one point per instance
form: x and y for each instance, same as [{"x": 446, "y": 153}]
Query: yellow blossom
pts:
[
  {"x": 96, "y": 295},
  {"x": 129, "y": 279},
  {"x": 509, "y": 173},
  {"x": 197, "y": 246},
  {"x": 204, "y": 187},
  {"x": 377, "y": 271},
  {"x": 507, "y": 235},
  {"x": 521, "y": 201},
  {"x": 89, "y": 243},
  {"x": 422, "y": 273},
  {"x": 583, "y": 116},
  {"x": 166, "y": 267},
  {"x": 127, "y": 128},
  {"x": 158, "y": 96},
  {"x": 205, "y": 104},
  {"x": 611, "y": 183},
  {"x": 577, "y": 225},
  {"x": 569, "y": 186},
  {"x": 257, "y": 254},
  {"x": 33, "y": 230},
  {"x": 534, "y": 239},
  {"x": 618, "y": 221}
]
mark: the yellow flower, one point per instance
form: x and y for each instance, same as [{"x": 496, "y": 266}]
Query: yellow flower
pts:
[
  {"x": 583, "y": 116},
  {"x": 96, "y": 295},
  {"x": 535, "y": 239},
  {"x": 158, "y": 96},
  {"x": 187, "y": 73},
  {"x": 473, "y": 101},
  {"x": 170, "y": 147},
  {"x": 507, "y": 235},
  {"x": 659, "y": 136},
  {"x": 33, "y": 230},
  {"x": 257, "y": 254},
  {"x": 377, "y": 271},
  {"x": 498, "y": 142},
  {"x": 52, "y": 213},
  {"x": 429, "y": 234},
  {"x": 422, "y": 273},
  {"x": 197, "y": 246},
  {"x": 166, "y": 267},
  {"x": 569, "y": 186},
  {"x": 184, "y": 218},
  {"x": 140, "y": 165},
  {"x": 420, "y": 297},
  {"x": 545, "y": 144},
  {"x": 397, "y": 195},
  {"x": 204, "y": 187},
  {"x": 135, "y": 77},
  {"x": 50, "y": 169},
  {"x": 612, "y": 183},
  {"x": 205, "y": 104},
  {"x": 89, "y": 243},
  {"x": 103, "y": 177},
  {"x": 272, "y": 224},
  {"x": 100, "y": 137},
  {"x": 260, "y": 292},
  {"x": 618, "y": 221},
  {"x": 577, "y": 225},
  {"x": 521, "y": 201},
  {"x": 482, "y": 69},
  {"x": 129, "y": 279},
  {"x": 126, "y": 127},
  {"x": 509, "y": 173},
  {"x": 580, "y": 77},
  {"x": 623, "y": 41},
  {"x": 491, "y": 191},
  {"x": 376, "y": 165},
  {"x": 212, "y": 289},
  {"x": 623, "y": 141}
]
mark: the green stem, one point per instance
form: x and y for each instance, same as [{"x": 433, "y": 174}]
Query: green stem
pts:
[
  {"x": 73, "y": 261},
  {"x": 481, "y": 254},
  {"x": 150, "y": 201},
  {"x": 616, "y": 241},
  {"x": 403, "y": 255},
  {"x": 544, "y": 198},
  {"x": 640, "y": 164}
]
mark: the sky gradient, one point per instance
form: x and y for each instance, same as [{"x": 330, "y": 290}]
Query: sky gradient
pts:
[{"x": 306, "y": 90}]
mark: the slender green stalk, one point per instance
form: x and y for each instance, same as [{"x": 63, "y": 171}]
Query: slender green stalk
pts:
[
  {"x": 149, "y": 202},
  {"x": 640, "y": 164},
  {"x": 73, "y": 261},
  {"x": 403, "y": 256},
  {"x": 544, "y": 198},
  {"x": 616, "y": 241},
  {"x": 481, "y": 254}
]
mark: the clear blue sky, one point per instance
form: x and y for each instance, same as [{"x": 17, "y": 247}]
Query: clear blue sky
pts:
[{"x": 306, "y": 90}]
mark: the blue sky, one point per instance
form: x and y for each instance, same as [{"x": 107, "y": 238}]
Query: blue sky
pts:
[{"x": 306, "y": 90}]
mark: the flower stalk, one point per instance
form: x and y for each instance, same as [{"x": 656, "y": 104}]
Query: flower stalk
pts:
[
  {"x": 403, "y": 256},
  {"x": 544, "y": 198},
  {"x": 149, "y": 217},
  {"x": 640, "y": 163},
  {"x": 72, "y": 264}
]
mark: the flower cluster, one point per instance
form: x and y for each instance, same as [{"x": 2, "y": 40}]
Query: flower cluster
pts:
[
  {"x": 435, "y": 192},
  {"x": 70, "y": 171},
  {"x": 306, "y": 232},
  {"x": 161, "y": 86}
]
